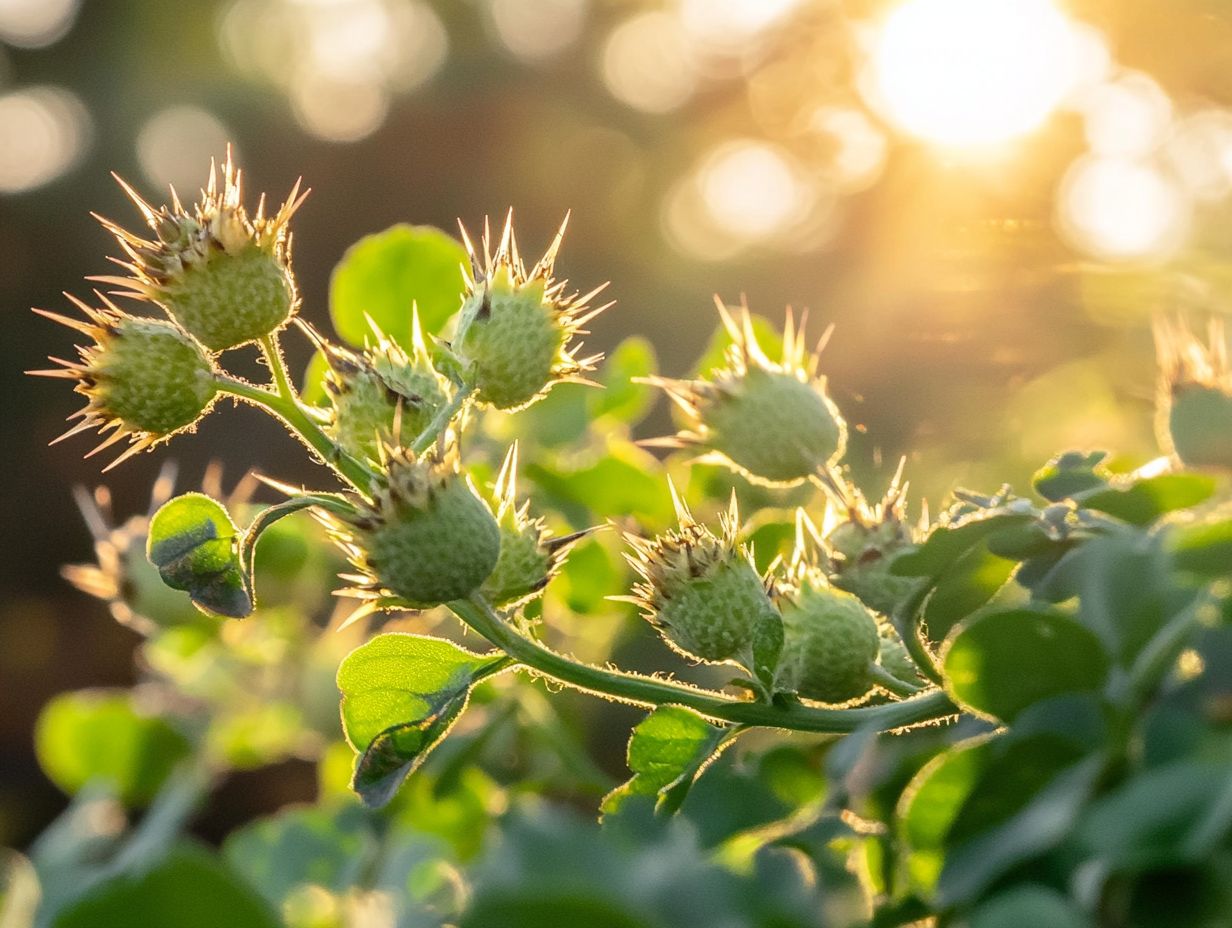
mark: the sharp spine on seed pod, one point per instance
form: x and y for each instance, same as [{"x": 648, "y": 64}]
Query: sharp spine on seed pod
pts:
[
  {"x": 424, "y": 538},
  {"x": 143, "y": 379},
  {"x": 702, "y": 591},
  {"x": 831, "y": 639},
  {"x": 860, "y": 540},
  {"x": 529, "y": 556},
  {"x": 224, "y": 276},
  {"x": 381, "y": 395},
  {"x": 516, "y": 328},
  {"x": 772, "y": 422},
  {"x": 1194, "y": 418}
]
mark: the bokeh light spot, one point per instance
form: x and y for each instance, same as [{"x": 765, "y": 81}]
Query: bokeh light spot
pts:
[
  {"x": 44, "y": 131},
  {"x": 537, "y": 29},
  {"x": 36, "y": 23},
  {"x": 1119, "y": 209},
  {"x": 648, "y": 63},
  {"x": 176, "y": 141},
  {"x": 1128, "y": 116},
  {"x": 973, "y": 72}
]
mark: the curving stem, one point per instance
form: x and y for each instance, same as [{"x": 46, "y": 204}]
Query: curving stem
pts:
[{"x": 479, "y": 615}]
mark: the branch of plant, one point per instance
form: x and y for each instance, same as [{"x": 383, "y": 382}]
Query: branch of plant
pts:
[
  {"x": 442, "y": 419},
  {"x": 292, "y": 414},
  {"x": 622, "y": 686}
]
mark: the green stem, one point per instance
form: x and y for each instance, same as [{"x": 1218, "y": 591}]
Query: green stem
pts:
[
  {"x": 294, "y": 417},
  {"x": 649, "y": 692},
  {"x": 443, "y": 418},
  {"x": 892, "y": 684},
  {"x": 906, "y": 620}
]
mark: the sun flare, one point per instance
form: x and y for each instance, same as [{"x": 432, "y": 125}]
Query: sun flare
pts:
[{"x": 970, "y": 73}]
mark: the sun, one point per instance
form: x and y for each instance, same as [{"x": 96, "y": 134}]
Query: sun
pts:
[{"x": 972, "y": 73}]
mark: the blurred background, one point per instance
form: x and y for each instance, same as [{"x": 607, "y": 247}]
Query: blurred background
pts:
[{"x": 988, "y": 198}]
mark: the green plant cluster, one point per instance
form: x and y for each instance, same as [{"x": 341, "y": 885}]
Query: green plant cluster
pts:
[{"x": 1018, "y": 713}]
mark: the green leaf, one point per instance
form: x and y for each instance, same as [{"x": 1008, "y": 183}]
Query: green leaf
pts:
[
  {"x": 382, "y": 275},
  {"x": 621, "y": 398},
  {"x": 946, "y": 544},
  {"x": 1071, "y": 473},
  {"x": 99, "y": 735},
  {"x": 968, "y": 583},
  {"x": 1144, "y": 501},
  {"x": 624, "y": 481},
  {"x": 189, "y": 888},
  {"x": 666, "y": 750},
  {"x": 193, "y": 543},
  {"x": 400, "y": 695},
  {"x": 312, "y": 390},
  {"x": 1204, "y": 548},
  {"x": 1003, "y": 662}
]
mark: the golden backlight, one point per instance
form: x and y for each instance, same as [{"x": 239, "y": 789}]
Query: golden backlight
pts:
[{"x": 963, "y": 73}]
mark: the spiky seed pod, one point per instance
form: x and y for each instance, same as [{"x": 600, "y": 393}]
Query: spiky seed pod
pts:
[
  {"x": 529, "y": 556},
  {"x": 425, "y": 538},
  {"x": 830, "y": 638},
  {"x": 224, "y": 276},
  {"x": 1194, "y": 417},
  {"x": 862, "y": 543},
  {"x": 517, "y": 328},
  {"x": 773, "y": 422},
  {"x": 143, "y": 379},
  {"x": 371, "y": 390},
  {"x": 701, "y": 590}
]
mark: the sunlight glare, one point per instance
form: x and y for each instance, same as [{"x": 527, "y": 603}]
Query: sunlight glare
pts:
[
  {"x": 965, "y": 73},
  {"x": 1119, "y": 209}
]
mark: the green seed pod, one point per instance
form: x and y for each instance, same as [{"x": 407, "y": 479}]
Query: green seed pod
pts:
[
  {"x": 702, "y": 591},
  {"x": 529, "y": 556},
  {"x": 369, "y": 391},
  {"x": 1194, "y": 418},
  {"x": 223, "y": 276},
  {"x": 830, "y": 640},
  {"x": 861, "y": 548},
  {"x": 516, "y": 329},
  {"x": 425, "y": 539},
  {"x": 142, "y": 378},
  {"x": 774, "y": 423}
]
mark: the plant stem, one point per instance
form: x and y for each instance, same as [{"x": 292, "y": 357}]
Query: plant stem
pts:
[
  {"x": 293, "y": 416},
  {"x": 906, "y": 620},
  {"x": 892, "y": 684},
  {"x": 649, "y": 692},
  {"x": 442, "y": 418}
]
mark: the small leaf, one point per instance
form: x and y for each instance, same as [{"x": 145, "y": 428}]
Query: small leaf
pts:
[
  {"x": 100, "y": 735},
  {"x": 192, "y": 542},
  {"x": 1027, "y": 904},
  {"x": 946, "y": 544},
  {"x": 1003, "y": 662},
  {"x": 1144, "y": 501},
  {"x": 1069, "y": 474},
  {"x": 666, "y": 749},
  {"x": 968, "y": 583},
  {"x": 383, "y": 275},
  {"x": 400, "y": 695}
]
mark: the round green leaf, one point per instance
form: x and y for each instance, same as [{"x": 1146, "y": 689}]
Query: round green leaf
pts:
[
  {"x": 96, "y": 735},
  {"x": 192, "y": 543},
  {"x": 383, "y": 275},
  {"x": 1003, "y": 662}
]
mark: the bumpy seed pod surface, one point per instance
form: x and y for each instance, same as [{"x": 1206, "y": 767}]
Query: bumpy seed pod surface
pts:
[
  {"x": 229, "y": 300},
  {"x": 426, "y": 538},
  {"x": 772, "y": 422},
  {"x": 516, "y": 329},
  {"x": 701, "y": 590},
  {"x": 143, "y": 378},
  {"x": 223, "y": 276},
  {"x": 1200, "y": 426},
  {"x": 831, "y": 643}
]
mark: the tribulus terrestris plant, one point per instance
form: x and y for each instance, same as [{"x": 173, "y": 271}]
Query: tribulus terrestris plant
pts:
[{"x": 1015, "y": 713}]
